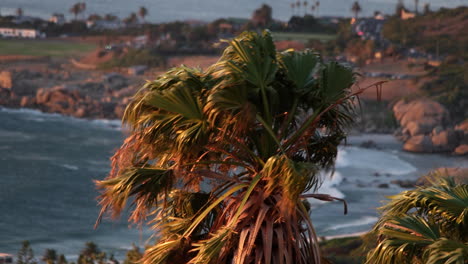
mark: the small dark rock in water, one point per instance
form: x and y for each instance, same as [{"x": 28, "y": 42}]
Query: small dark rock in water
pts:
[
  {"x": 376, "y": 174},
  {"x": 368, "y": 144},
  {"x": 404, "y": 183},
  {"x": 383, "y": 185}
]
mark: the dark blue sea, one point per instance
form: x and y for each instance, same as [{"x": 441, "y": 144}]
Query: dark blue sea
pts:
[{"x": 48, "y": 163}]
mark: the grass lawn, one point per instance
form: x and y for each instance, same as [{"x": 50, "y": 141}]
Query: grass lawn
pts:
[
  {"x": 54, "y": 48},
  {"x": 302, "y": 37}
]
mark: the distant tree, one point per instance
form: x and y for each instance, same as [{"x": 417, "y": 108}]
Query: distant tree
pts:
[
  {"x": 317, "y": 5},
  {"x": 305, "y": 3},
  {"x": 112, "y": 260},
  {"x": 91, "y": 254},
  {"x": 143, "y": 12},
  {"x": 110, "y": 17},
  {"x": 131, "y": 19},
  {"x": 94, "y": 17},
  {"x": 26, "y": 254},
  {"x": 76, "y": 9},
  {"x": 82, "y": 7},
  {"x": 50, "y": 256},
  {"x": 133, "y": 255},
  {"x": 293, "y": 5},
  {"x": 416, "y": 5},
  {"x": 298, "y": 5},
  {"x": 356, "y": 9},
  {"x": 19, "y": 11},
  {"x": 62, "y": 260},
  {"x": 399, "y": 7},
  {"x": 427, "y": 8},
  {"x": 262, "y": 17}
]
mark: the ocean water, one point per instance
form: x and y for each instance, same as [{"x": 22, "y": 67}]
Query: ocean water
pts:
[
  {"x": 207, "y": 10},
  {"x": 48, "y": 163}
]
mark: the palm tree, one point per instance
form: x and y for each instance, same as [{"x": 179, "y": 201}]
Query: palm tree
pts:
[
  {"x": 131, "y": 19},
  {"x": 110, "y": 17},
  {"x": 50, "y": 256},
  {"x": 26, "y": 254},
  {"x": 317, "y": 5},
  {"x": 305, "y": 3},
  {"x": 427, "y": 8},
  {"x": 83, "y": 8},
  {"x": 298, "y": 5},
  {"x": 76, "y": 9},
  {"x": 143, "y": 12},
  {"x": 220, "y": 161},
  {"x": 416, "y": 5},
  {"x": 425, "y": 225},
  {"x": 293, "y": 5},
  {"x": 62, "y": 259},
  {"x": 356, "y": 8},
  {"x": 19, "y": 12}
]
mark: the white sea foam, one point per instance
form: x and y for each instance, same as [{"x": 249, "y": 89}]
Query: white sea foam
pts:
[
  {"x": 363, "y": 221},
  {"x": 38, "y": 116},
  {"x": 330, "y": 182},
  {"x": 377, "y": 160},
  {"x": 70, "y": 167}
]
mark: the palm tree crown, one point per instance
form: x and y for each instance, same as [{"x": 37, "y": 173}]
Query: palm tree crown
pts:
[
  {"x": 143, "y": 12},
  {"x": 356, "y": 8},
  {"x": 427, "y": 225},
  {"x": 219, "y": 160}
]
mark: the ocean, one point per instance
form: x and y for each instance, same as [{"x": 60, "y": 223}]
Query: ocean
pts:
[
  {"x": 207, "y": 10},
  {"x": 48, "y": 163}
]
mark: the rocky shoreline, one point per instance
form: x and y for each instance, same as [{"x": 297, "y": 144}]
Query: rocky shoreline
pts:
[
  {"x": 425, "y": 126},
  {"x": 81, "y": 94}
]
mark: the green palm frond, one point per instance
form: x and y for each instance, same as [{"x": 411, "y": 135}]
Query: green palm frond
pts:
[
  {"x": 447, "y": 252},
  {"x": 146, "y": 184},
  {"x": 300, "y": 68},
  {"x": 425, "y": 225},
  {"x": 335, "y": 79},
  {"x": 209, "y": 249}
]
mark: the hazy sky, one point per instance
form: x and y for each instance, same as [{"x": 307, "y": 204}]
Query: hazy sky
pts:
[{"x": 160, "y": 10}]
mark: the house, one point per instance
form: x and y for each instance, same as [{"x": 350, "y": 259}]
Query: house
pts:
[
  {"x": 58, "y": 19},
  {"x": 404, "y": 15},
  {"x": 369, "y": 28},
  {"x": 6, "y": 258},
  {"x": 20, "y": 33}
]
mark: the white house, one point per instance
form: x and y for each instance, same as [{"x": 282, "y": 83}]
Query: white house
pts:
[{"x": 20, "y": 33}]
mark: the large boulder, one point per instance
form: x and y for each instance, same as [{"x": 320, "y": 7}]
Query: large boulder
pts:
[
  {"x": 445, "y": 141},
  {"x": 424, "y": 111},
  {"x": 58, "y": 100},
  {"x": 419, "y": 143},
  {"x": 461, "y": 150},
  {"x": 425, "y": 126},
  {"x": 6, "y": 79}
]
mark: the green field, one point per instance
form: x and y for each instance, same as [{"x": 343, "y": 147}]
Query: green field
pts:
[
  {"x": 302, "y": 37},
  {"x": 53, "y": 48}
]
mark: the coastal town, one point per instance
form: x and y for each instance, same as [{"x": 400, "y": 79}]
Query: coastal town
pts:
[{"x": 91, "y": 66}]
